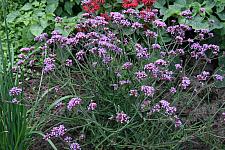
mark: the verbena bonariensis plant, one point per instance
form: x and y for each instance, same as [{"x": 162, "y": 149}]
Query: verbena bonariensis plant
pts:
[{"x": 137, "y": 80}]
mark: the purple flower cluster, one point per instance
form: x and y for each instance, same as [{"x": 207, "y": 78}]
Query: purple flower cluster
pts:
[
  {"x": 203, "y": 76},
  {"x": 151, "y": 34},
  {"x": 178, "y": 30},
  {"x": 185, "y": 82},
  {"x": 121, "y": 117},
  {"x": 141, "y": 53},
  {"x": 219, "y": 77},
  {"x": 69, "y": 62},
  {"x": 119, "y": 19},
  {"x": 164, "y": 105},
  {"x": 133, "y": 93},
  {"x": 159, "y": 24},
  {"x": 75, "y": 146},
  {"x": 92, "y": 106},
  {"x": 58, "y": 19},
  {"x": 73, "y": 103},
  {"x": 147, "y": 16},
  {"x": 173, "y": 90},
  {"x": 140, "y": 75},
  {"x": 41, "y": 37},
  {"x": 56, "y": 132},
  {"x": 156, "y": 46},
  {"x": 187, "y": 14},
  {"x": 148, "y": 90},
  {"x": 15, "y": 91},
  {"x": 127, "y": 65},
  {"x": 200, "y": 50},
  {"x": 27, "y": 49},
  {"x": 49, "y": 65}
]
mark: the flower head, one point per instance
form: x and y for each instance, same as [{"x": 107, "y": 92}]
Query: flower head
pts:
[
  {"x": 15, "y": 91},
  {"x": 122, "y": 117},
  {"x": 73, "y": 103}
]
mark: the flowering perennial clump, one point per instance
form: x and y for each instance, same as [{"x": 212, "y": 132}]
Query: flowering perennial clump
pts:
[{"x": 128, "y": 67}]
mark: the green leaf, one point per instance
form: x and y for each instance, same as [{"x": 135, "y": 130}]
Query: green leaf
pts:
[
  {"x": 219, "y": 8},
  {"x": 58, "y": 11},
  {"x": 44, "y": 22},
  {"x": 26, "y": 7},
  {"x": 181, "y": 2},
  {"x": 78, "y": 2},
  {"x": 36, "y": 29},
  {"x": 173, "y": 10},
  {"x": 221, "y": 15},
  {"x": 197, "y": 22},
  {"x": 51, "y": 6},
  {"x": 12, "y": 16},
  {"x": 196, "y": 7},
  {"x": 68, "y": 7},
  {"x": 216, "y": 24},
  {"x": 160, "y": 4}
]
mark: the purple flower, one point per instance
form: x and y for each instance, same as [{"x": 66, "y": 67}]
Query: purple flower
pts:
[
  {"x": 69, "y": 62},
  {"x": 140, "y": 75},
  {"x": 20, "y": 62},
  {"x": 68, "y": 139},
  {"x": 148, "y": 90},
  {"x": 185, "y": 82},
  {"x": 92, "y": 106},
  {"x": 218, "y": 77},
  {"x": 151, "y": 34},
  {"x": 41, "y": 37},
  {"x": 166, "y": 75},
  {"x": 142, "y": 53},
  {"x": 133, "y": 93},
  {"x": 178, "y": 122},
  {"x": 27, "y": 49},
  {"x": 187, "y": 14},
  {"x": 178, "y": 66},
  {"x": 80, "y": 55},
  {"x": 179, "y": 39},
  {"x": 73, "y": 103},
  {"x": 156, "y": 46},
  {"x": 58, "y": 19},
  {"x": 122, "y": 117},
  {"x": 49, "y": 65},
  {"x": 173, "y": 90},
  {"x": 107, "y": 59},
  {"x": 21, "y": 56},
  {"x": 180, "y": 51},
  {"x": 202, "y": 10},
  {"x": 161, "y": 62},
  {"x": 75, "y": 146},
  {"x": 15, "y": 101},
  {"x": 136, "y": 25},
  {"x": 57, "y": 131},
  {"x": 203, "y": 76},
  {"x": 159, "y": 23},
  {"x": 150, "y": 67},
  {"x": 127, "y": 65},
  {"x": 122, "y": 82},
  {"x": 15, "y": 91}
]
